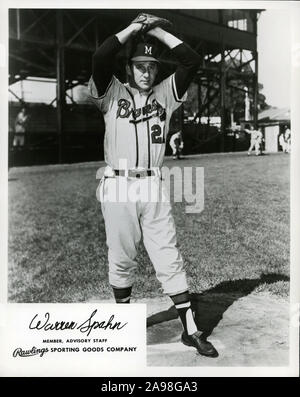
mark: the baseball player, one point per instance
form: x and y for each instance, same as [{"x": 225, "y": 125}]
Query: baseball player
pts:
[
  {"x": 137, "y": 116},
  {"x": 287, "y": 138},
  {"x": 282, "y": 142},
  {"x": 176, "y": 143},
  {"x": 256, "y": 140},
  {"x": 20, "y": 128}
]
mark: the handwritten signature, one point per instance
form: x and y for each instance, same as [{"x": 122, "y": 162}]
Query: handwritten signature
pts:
[{"x": 86, "y": 327}]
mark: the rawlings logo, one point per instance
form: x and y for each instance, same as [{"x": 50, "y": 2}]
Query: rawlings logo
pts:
[
  {"x": 124, "y": 111},
  {"x": 28, "y": 353}
]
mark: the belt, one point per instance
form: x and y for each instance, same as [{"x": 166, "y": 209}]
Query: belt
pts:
[{"x": 135, "y": 173}]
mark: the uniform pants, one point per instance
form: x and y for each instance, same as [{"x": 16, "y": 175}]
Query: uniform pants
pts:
[
  {"x": 174, "y": 148},
  {"x": 141, "y": 213},
  {"x": 256, "y": 145},
  {"x": 19, "y": 140}
]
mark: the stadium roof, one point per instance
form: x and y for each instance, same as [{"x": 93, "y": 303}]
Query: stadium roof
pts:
[
  {"x": 275, "y": 114},
  {"x": 35, "y": 35}
]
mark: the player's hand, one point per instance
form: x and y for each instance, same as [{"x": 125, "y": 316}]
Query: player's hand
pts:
[
  {"x": 136, "y": 27},
  {"x": 149, "y": 22}
]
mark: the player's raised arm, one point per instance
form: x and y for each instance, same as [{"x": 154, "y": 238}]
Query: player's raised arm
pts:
[
  {"x": 189, "y": 60},
  {"x": 103, "y": 58}
]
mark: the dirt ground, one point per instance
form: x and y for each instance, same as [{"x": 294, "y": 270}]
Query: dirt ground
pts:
[
  {"x": 247, "y": 331},
  {"x": 252, "y": 331}
]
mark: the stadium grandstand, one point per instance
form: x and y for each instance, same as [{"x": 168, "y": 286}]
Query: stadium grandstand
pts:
[{"x": 53, "y": 47}]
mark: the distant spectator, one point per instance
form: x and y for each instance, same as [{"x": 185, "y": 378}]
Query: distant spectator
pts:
[
  {"x": 256, "y": 140},
  {"x": 287, "y": 138},
  {"x": 176, "y": 143},
  {"x": 282, "y": 142},
  {"x": 20, "y": 128}
]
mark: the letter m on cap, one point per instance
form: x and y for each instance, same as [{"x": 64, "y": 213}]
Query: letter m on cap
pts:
[{"x": 148, "y": 50}]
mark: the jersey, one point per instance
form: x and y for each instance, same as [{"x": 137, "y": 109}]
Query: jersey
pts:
[
  {"x": 136, "y": 125},
  {"x": 176, "y": 140},
  {"x": 256, "y": 136},
  {"x": 259, "y": 136}
]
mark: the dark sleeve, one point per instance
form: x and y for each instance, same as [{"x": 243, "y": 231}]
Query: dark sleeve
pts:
[
  {"x": 189, "y": 62},
  {"x": 103, "y": 59}
]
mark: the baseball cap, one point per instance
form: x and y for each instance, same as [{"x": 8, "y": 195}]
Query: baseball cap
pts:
[{"x": 145, "y": 52}]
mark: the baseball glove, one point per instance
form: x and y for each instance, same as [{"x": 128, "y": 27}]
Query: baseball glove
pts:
[{"x": 149, "y": 22}]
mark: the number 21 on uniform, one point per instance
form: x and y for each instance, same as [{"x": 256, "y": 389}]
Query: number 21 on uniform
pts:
[{"x": 157, "y": 135}]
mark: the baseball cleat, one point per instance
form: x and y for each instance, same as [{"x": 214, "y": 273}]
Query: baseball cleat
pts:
[{"x": 197, "y": 340}]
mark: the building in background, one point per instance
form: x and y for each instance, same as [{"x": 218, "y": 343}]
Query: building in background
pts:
[{"x": 274, "y": 121}]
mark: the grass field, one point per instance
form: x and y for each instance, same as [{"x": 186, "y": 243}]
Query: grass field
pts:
[{"x": 57, "y": 250}]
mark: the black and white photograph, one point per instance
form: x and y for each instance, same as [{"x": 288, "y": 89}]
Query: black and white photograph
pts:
[{"x": 150, "y": 176}]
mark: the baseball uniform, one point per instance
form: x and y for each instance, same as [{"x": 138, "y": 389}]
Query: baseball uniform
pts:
[
  {"x": 176, "y": 144},
  {"x": 256, "y": 140},
  {"x": 287, "y": 138},
  {"x": 136, "y": 127},
  {"x": 20, "y": 129}
]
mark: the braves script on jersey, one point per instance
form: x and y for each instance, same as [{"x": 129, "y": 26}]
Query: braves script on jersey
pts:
[{"x": 136, "y": 124}]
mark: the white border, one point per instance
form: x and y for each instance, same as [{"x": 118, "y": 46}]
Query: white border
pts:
[{"x": 294, "y": 7}]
